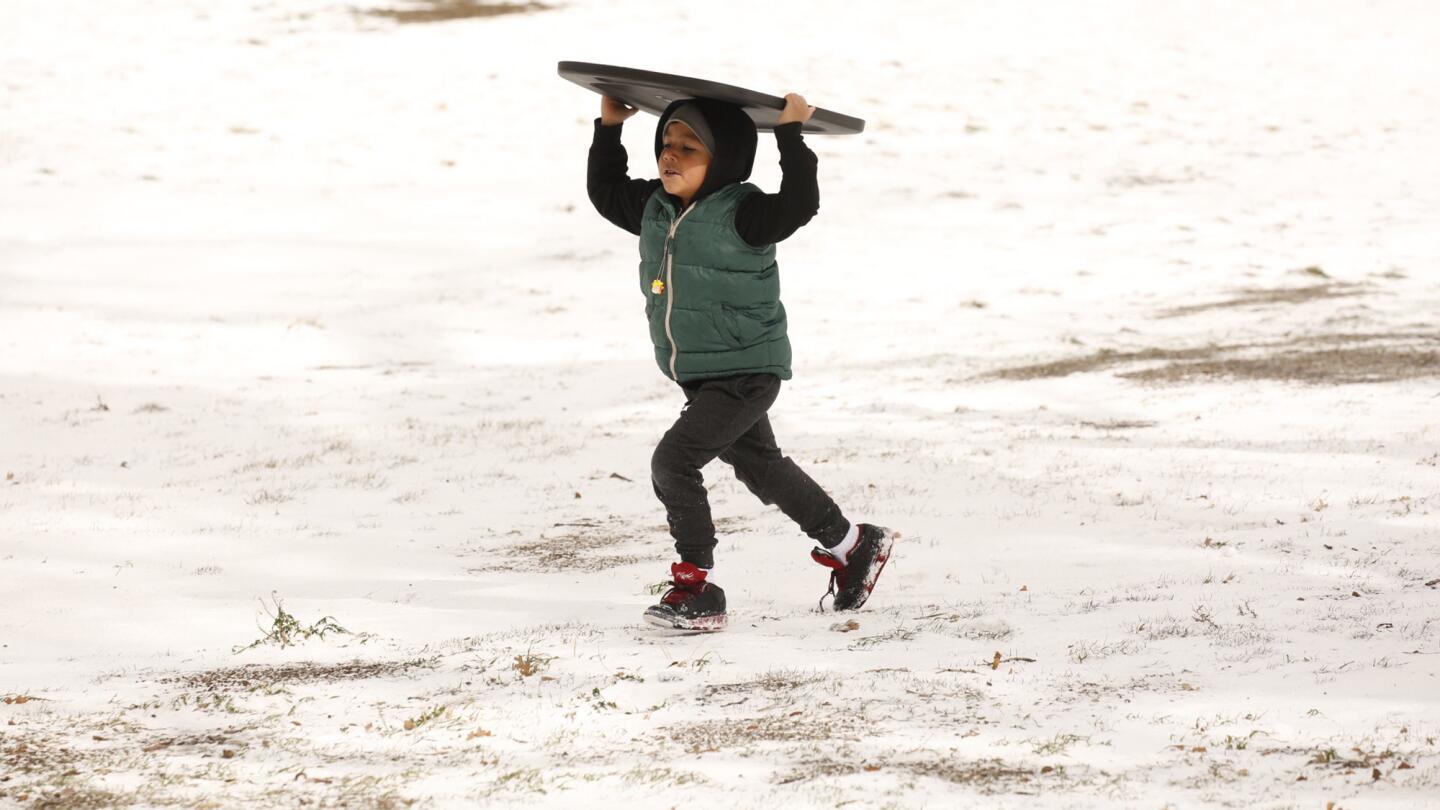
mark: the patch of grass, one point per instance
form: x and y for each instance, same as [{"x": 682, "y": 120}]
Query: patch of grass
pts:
[
  {"x": 528, "y": 780},
  {"x": 641, "y": 775},
  {"x": 992, "y": 629},
  {"x": 425, "y": 717},
  {"x": 1082, "y": 651},
  {"x": 898, "y": 634},
  {"x": 775, "y": 682},
  {"x": 267, "y": 496},
  {"x": 261, "y": 676},
  {"x": 286, "y": 631},
  {"x": 74, "y": 797},
  {"x": 988, "y": 776},
  {"x": 1118, "y": 424},
  {"x": 1163, "y": 627},
  {"x": 1058, "y": 744},
  {"x": 38, "y": 772},
  {"x": 713, "y": 735},
  {"x": 530, "y": 664},
  {"x": 433, "y": 11},
  {"x": 580, "y": 545}
]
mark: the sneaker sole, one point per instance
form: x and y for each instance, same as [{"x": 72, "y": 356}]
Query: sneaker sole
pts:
[
  {"x": 881, "y": 559},
  {"x": 705, "y": 624}
]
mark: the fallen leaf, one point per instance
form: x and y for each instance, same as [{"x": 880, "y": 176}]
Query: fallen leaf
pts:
[
  {"x": 995, "y": 664},
  {"x": 409, "y": 725},
  {"x": 227, "y": 754},
  {"x": 1404, "y": 766},
  {"x": 479, "y": 732},
  {"x": 846, "y": 626},
  {"x": 1375, "y": 774},
  {"x": 1024, "y": 588},
  {"x": 1199, "y": 749},
  {"x": 1047, "y": 769},
  {"x": 872, "y": 768}
]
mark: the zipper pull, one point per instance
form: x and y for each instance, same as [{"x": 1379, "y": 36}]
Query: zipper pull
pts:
[{"x": 657, "y": 287}]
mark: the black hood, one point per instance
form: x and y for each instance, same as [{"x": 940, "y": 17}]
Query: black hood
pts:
[{"x": 735, "y": 141}]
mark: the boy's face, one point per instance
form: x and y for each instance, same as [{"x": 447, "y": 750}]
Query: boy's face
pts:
[{"x": 683, "y": 161}]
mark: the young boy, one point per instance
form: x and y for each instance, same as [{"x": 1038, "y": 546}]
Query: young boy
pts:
[{"x": 712, "y": 297}]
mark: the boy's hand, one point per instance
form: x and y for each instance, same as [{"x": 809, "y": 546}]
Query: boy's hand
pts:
[
  {"x": 795, "y": 109},
  {"x": 613, "y": 111}
]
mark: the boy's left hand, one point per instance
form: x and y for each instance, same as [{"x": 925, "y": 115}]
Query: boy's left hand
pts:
[{"x": 796, "y": 109}]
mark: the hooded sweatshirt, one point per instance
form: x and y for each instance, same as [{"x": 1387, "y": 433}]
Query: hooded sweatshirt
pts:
[{"x": 761, "y": 219}]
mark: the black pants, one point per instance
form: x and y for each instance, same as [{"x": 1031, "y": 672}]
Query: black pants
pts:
[{"x": 726, "y": 418}]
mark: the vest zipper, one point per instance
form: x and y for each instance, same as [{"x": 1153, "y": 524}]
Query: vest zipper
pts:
[{"x": 670, "y": 290}]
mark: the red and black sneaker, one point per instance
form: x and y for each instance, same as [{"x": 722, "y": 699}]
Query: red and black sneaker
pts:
[
  {"x": 690, "y": 604},
  {"x": 852, "y": 580}
]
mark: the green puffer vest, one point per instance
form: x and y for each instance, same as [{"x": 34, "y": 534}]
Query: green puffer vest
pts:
[{"x": 717, "y": 311}]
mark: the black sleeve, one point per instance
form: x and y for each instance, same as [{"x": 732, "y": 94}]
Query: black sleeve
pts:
[
  {"x": 764, "y": 219},
  {"x": 612, "y": 192}
]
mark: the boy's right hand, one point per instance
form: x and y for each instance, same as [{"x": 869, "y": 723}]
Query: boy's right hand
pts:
[{"x": 613, "y": 111}]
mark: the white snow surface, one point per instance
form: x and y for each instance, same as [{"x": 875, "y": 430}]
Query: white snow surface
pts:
[{"x": 306, "y": 307}]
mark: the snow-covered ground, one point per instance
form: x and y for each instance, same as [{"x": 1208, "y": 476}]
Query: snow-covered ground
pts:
[{"x": 1123, "y": 312}]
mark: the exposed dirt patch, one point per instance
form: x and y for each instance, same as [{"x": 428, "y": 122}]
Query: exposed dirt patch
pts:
[
  {"x": 1271, "y": 297},
  {"x": 1097, "y": 361},
  {"x": 433, "y": 11},
  {"x": 1329, "y": 367},
  {"x": 714, "y": 735},
  {"x": 255, "y": 676},
  {"x": 1336, "y": 359}
]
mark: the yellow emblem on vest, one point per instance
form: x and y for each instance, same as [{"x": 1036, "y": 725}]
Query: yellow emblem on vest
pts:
[{"x": 657, "y": 286}]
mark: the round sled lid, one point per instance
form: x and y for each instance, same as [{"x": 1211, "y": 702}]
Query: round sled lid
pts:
[{"x": 653, "y": 92}]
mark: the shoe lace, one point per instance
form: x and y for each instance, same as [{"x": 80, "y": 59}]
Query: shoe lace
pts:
[{"x": 830, "y": 592}]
